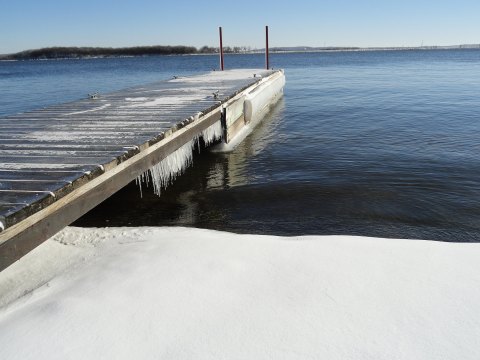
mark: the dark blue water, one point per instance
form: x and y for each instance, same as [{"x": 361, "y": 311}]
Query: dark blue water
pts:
[{"x": 366, "y": 143}]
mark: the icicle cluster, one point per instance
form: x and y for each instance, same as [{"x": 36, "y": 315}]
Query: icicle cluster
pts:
[
  {"x": 167, "y": 170},
  {"x": 212, "y": 133}
]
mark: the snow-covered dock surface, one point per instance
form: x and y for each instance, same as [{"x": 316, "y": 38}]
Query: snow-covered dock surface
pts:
[{"x": 176, "y": 293}]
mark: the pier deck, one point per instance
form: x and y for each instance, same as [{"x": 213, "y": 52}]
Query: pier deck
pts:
[{"x": 59, "y": 162}]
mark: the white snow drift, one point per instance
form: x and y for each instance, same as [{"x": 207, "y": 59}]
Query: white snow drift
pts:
[{"x": 176, "y": 293}]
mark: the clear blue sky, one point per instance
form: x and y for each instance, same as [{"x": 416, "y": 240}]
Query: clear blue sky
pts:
[{"x": 26, "y": 24}]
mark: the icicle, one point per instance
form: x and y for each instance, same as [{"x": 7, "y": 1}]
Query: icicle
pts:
[
  {"x": 212, "y": 133},
  {"x": 138, "y": 181},
  {"x": 197, "y": 140},
  {"x": 142, "y": 178}
]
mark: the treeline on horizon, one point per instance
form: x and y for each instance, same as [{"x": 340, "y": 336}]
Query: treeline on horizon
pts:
[
  {"x": 64, "y": 52},
  {"x": 82, "y": 52}
]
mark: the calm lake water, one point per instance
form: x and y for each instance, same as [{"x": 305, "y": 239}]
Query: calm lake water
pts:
[{"x": 363, "y": 143}]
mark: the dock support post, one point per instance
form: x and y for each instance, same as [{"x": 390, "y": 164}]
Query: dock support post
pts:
[
  {"x": 221, "y": 48},
  {"x": 267, "y": 60},
  {"x": 223, "y": 121}
]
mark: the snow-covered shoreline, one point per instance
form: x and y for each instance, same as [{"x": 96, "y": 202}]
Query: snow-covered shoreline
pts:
[{"x": 178, "y": 293}]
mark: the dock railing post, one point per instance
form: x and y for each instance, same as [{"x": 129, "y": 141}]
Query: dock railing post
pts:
[
  {"x": 267, "y": 60},
  {"x": 221, "y": 48}
]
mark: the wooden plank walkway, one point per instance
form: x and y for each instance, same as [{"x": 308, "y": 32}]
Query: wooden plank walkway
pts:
[{"x": 47, "y": 154}]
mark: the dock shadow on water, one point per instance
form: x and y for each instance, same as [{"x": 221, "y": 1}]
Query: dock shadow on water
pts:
[{"x": 246, "y": 191}]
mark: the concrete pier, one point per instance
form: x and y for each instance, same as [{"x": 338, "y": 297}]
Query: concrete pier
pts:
[{"x": 59, "y": 162}]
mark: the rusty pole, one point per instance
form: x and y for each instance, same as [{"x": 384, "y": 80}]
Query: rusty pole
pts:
[
  {"x": 221, "y": 48},
  {"x": 267, "y": 60}
]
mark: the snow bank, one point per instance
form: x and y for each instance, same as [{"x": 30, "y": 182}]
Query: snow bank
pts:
[{"x": 176, "y": 293}]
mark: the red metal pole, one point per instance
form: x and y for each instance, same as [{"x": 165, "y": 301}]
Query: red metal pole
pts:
[
  {"x": 267, "y": 60},
  {"x": 221, "y": 48}
]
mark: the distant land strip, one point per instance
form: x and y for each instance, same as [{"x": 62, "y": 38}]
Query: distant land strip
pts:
[
  {"x": 94, "y": 52},
  {"x": 65, "y": 52}
]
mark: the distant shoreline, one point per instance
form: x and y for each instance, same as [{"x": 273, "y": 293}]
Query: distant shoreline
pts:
[{"x": 63, "y": 53}]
